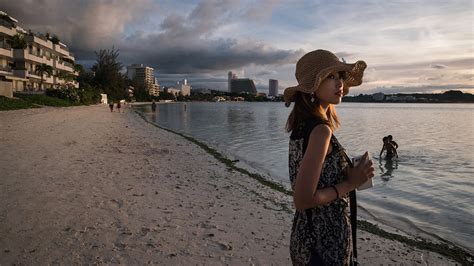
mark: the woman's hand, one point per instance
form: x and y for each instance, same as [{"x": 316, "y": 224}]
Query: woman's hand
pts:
[{"x": 361, "y": 173}]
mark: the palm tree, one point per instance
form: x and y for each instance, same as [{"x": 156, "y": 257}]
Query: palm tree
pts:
[{"x": 41, "y": 69}]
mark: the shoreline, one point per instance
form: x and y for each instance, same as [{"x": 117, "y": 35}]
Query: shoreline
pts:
[
  {"x": 84, "y": 185},
  {"x": 444, "y": 247}
]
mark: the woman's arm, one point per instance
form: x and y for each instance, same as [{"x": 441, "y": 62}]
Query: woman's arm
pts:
[
  {"x": 383, "y": 148},
  {"x": 305, "y": 195}
]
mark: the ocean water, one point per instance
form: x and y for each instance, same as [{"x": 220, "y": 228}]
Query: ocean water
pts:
[{"x": 427, "y": 192}]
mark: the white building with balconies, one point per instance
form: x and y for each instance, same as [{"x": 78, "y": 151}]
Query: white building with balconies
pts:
[{"x": 18, "y": 64}]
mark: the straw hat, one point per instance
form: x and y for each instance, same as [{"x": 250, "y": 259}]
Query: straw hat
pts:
[{"x": 315, "y": 66}]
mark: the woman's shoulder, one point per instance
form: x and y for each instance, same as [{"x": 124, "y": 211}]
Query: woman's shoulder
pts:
[{"x": 307, "y": 126}]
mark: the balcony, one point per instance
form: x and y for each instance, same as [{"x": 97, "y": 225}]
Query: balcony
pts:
[
  {"x": 24, "y": 55},
  {"x": 48, "y": 80},
  {"x": 21, "y": 73},
  {"x": 43, "y": 42},
  {"x": 7, "y": 30},
  {"x": 58, "y": 48},
  {"x": 6, "y": 70},
  {"x": 63, "y": 67},
  {"x": 6, "y": 52}
]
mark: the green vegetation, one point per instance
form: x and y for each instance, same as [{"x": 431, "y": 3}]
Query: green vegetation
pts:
[
  {"x": 450, "y": 251},
  {"x": 40, "y": 70},
  {"x": 19, "y": 42},
  {"x": 23, "y": 101},
  {"x": 40, "y": 99},
  {"x": 107, "y": 76},
  {"x": 451, "y": 96},
  {"x": 14, "y": 104},
  {"x": 209, "y": 97}
]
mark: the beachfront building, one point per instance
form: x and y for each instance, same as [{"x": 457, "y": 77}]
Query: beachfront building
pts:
[
  {"x": 144, "y": 77},
  {"x": 155, "y": 91},
  {"x": 22, "y": 56},
  {"x": 273, "y": 87},
  {"x": 172, "y": 90},
  {"x": 237, "y": 85},
  {"x": 184, "y": 88}
]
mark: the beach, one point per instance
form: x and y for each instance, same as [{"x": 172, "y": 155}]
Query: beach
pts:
[{"x": 83, "y": 185}]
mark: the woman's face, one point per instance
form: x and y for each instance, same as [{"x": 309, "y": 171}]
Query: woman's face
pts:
[{"x": 331, "y": 89}]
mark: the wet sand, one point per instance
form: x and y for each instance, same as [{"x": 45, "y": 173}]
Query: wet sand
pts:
[{"x": 84, "y": 185}]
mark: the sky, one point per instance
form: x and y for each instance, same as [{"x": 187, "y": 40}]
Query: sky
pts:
[{"x": 410, "y": 46}]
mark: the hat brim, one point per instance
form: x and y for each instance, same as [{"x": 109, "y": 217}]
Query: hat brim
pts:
[{"x": 353, "y": 78}]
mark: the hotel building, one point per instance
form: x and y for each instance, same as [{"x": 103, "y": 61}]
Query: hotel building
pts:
[
  {"x": 273, "y": 87},
  {"x": 143, "y": 76},
  {"x": 18, "y": 64},
  {"x": 236, "y": 85}
]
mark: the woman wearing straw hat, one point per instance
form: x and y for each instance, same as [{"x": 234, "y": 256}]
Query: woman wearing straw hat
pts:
[{"x": 320, "y": 174}]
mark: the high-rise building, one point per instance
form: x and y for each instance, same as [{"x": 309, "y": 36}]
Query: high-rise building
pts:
[
  {"x": 229, "y": 79},
  {"x": 20, "y": 65},
  {"x": 243, "y": 85},
  {"x": 240, "y": 85},
  {"x": 142, "y": 76},
  {"x": 273, "y": 87}
]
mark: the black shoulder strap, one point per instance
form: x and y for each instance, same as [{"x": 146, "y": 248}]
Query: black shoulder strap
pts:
[{"x": 353, "y": 208}]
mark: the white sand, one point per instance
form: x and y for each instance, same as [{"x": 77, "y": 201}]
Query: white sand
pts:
[{"x": 84, "y": 185}]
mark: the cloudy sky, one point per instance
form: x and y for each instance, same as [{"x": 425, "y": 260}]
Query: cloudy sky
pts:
[{"x": 409, "y": 45}]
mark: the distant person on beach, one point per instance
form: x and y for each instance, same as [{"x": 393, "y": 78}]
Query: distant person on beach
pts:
[
  {"x": 320, "y": 175},
  {"x": 153, "y": 106},
  {"x": 111, "y": 105},
  {"x": 390, "y": 139},
  {"x": 119, "y": 105},
  {"x": 391, "y": 151}
]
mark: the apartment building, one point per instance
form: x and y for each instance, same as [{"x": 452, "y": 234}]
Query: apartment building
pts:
[
  {"x": 143, "y": 76},
  {"x": 18, "y": 64}
]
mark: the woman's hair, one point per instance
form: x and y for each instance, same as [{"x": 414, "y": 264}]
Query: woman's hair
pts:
[{"x": 304, "y": 109}]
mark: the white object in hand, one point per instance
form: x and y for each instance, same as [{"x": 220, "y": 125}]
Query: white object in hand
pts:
[{"x": 368, "y": 183}]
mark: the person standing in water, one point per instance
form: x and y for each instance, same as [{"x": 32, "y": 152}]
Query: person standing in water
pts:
[
  {"x": 390, "y": 139},
  {"x": 153, "y": 106},
  {"x": 389, "y": 148},
  {"x": 320, "y": 175}
]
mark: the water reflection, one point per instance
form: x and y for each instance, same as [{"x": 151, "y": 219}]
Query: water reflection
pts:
[{"x": 387, "y": 167}]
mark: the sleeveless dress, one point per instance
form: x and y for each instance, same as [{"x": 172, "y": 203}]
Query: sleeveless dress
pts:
[{"x": 321, "y": 234}]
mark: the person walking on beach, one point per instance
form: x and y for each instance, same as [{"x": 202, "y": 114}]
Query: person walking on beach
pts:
[
  {"x": 111, "y": 105},
  {"x": 390, "y": 148},
  {"x": 319, "y": 171},
  {"x": 153, "y": 106},
  {"x": 119, "y": 105}
]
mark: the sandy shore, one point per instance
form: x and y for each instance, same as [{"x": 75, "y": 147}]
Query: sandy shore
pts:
[{"x": 84, "y": 185}]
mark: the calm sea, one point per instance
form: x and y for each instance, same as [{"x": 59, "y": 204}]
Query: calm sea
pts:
[{"x": 428, "y": 191}]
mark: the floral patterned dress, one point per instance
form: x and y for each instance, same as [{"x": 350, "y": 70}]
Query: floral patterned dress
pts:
[{"x": 323, "y": 233}]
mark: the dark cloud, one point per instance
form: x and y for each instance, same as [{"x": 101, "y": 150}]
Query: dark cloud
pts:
[
  {"x": 265, "y": 73},
  {"x": 179, "y": 43},
  {"x": 459, "y": 63},
  {"x": 438, "y": 66},
  {"x": 85, "y": 25}
]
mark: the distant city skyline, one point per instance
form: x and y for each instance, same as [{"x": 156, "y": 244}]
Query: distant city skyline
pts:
[{"x": 409, "y": 46}]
